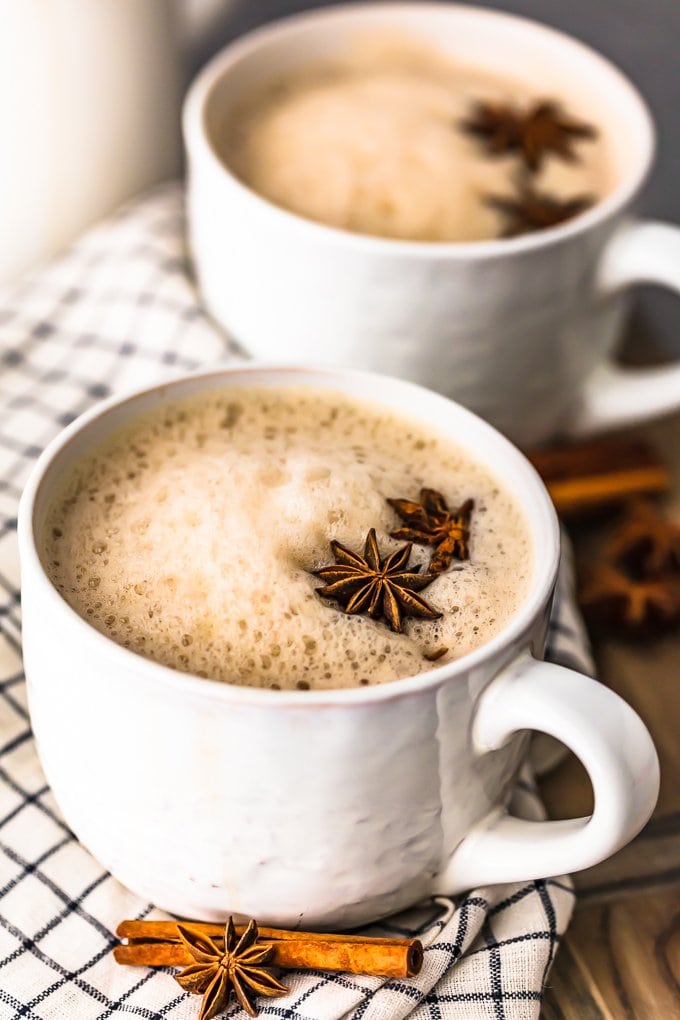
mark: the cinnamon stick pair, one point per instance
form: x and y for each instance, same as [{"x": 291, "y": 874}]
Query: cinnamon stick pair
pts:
[
  {"x": 599, "y": 474},
  {"x": 157, "y": 944}
]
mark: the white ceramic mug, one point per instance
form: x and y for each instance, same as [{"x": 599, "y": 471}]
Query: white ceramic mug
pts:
[
  {"x": 319, "y": 808},
  {"x": 522, "y": 331},
  {"x": 90, "y": 97}
]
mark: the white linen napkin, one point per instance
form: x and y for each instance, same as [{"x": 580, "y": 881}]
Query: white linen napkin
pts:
[{"x": 119, "y": 310}]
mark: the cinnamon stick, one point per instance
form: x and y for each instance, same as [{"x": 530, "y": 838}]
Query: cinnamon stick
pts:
[
  {"x": 157, "y": 944},
  {"x": 599, "y": 474}
]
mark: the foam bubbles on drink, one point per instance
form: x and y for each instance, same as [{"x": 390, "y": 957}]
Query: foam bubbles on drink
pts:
[
  {"x": 370, "y": 141},
  {"x": 189, "y": 538}
]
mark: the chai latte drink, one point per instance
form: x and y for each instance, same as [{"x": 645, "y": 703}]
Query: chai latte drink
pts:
[
  {"x": 397, "y": 140},
  {"x": 195, "y": 537}
]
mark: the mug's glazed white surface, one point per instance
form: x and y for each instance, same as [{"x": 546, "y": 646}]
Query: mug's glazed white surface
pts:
[
  {"x": 318, "y": 808},
  {"x": 520, "y": 330}
]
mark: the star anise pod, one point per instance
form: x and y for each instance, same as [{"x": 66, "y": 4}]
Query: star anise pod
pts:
[
  {"x": 531, "y": 210},
  {"x": 636, "y": 586},
  {"x": 645, "y": 544},
  {"x": 638, "y": 607},
  {"x": 432, "y": 523},
  {"x": 239, "y": 967},
  {"x": 533, "y": 133},
  {"x": 382, "y": 587}
]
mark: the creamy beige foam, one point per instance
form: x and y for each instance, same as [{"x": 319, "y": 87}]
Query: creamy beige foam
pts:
[
  {"x": 371, "y": 144},
  {"x": 189, "y": 537}
]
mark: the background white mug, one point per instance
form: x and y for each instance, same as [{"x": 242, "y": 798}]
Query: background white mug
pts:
[
  {"x": 90, "y": 97},
  {"x": 319, "y": 808},
  {"x": 523, "y": 330}
]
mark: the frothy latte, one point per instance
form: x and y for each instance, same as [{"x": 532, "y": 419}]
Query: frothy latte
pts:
[
  {"x": 373, "y": 143},
  {"x": 190, "y": 536}
]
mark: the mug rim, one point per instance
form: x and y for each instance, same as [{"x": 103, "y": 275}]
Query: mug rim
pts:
[
  {"x": 546, "y": 560},
  {"x": 199, "y": 145}
]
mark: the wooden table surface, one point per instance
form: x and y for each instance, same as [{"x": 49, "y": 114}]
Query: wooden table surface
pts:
[{"x": 620, "y": 959}]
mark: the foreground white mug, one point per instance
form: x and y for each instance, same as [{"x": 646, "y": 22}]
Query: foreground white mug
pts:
[
  {"x": 319, "y": 808},
  {"x": 522, "y": 331}
]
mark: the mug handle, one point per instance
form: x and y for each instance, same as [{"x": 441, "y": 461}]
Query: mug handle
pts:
[
  {"x": 639, "y": 252},
  {"x": 612, "y": 743}
]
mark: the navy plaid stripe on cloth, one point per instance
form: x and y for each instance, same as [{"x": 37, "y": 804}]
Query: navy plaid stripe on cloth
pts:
[{"x": 120, "y": 310}]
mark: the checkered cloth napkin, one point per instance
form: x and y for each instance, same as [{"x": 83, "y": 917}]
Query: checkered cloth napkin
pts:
[{"x": 120, "y": 310}]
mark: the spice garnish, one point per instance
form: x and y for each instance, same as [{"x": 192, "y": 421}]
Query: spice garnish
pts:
[
  {"x": 646, "y": 543},
  {"x": 432, "y": 523},
  {"x": 383, "y": 587},
  {"x": 589, "y": 475},
  {"x": 638, "y": 606},
  {"x": 158, "y": 944},
  {"x": 542, "y": 128},
  {"x": 238, "y": 967},
  {"x": 636, "y": 585},
  {"x": 434, "y": 656},
  {"x": 531, "y": 209}
]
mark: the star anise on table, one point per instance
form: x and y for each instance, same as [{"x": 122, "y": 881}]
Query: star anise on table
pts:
[
  {"x": 239, "y": 967},
  {"x": 383, "y": 587},
  {"x": 531, "y": 210},
  {"x": 635, "y": 588},
  {"x": 534, "y": 132},
  {"x": 638, "y": 607},
  {"x": 645, "y": 544},
  {"x": 431, "y": 522}
]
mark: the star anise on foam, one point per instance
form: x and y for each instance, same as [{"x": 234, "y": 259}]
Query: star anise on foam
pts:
[
  {"x": 531, "y": 210},
  {"x": 535, "y": 132},
  {"x": 239, "y": 967},
  {"x": 430, "y": 522},
  {"x": 383, "y": 587}
]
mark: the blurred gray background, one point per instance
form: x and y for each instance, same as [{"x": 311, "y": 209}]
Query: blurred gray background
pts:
[{"x": 643, "y": 38}]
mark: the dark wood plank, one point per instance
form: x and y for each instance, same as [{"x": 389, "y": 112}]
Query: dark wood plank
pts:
[
  {"x": 621, "y": 962},
  {"x": 621, "y": 955},
  {"x": 648, "y": 677}
]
